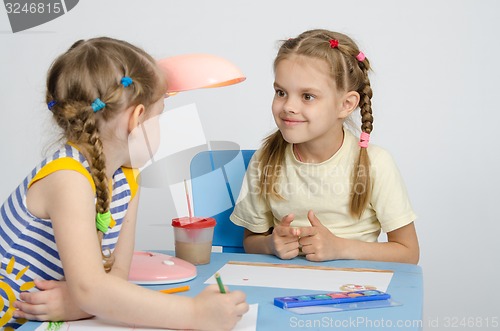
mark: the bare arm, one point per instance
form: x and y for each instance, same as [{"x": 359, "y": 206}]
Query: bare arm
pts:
[
  {"x": 319, "y": 244},
  {"x": 257, "y": 243},
  {"x": 53, "y": 302},
  {"x": 401, "y": 246},
  {"x": 126, "y": 242},
  {"x": 72, "y": 211}
]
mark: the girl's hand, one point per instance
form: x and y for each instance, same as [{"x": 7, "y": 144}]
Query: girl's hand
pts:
[
  {"x": 52, "y": 303},
  {"x": 284, "y": 239},
  {"x": 219, "y": 311},
  {"x": 319, "y": 243}
]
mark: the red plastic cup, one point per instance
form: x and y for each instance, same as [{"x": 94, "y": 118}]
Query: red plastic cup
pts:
[{"x": 193, "y": 238}]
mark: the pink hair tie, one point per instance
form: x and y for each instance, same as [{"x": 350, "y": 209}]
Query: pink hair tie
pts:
[
  {"x": 364, "y": 139},
  {"x": 360, "y": 57}
]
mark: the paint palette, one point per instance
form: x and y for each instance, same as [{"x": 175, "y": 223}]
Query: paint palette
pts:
[
  {"x": 150, "y": 268},
  {"x": 335, "y": 302},
  {"x": 329, "y": 298}
]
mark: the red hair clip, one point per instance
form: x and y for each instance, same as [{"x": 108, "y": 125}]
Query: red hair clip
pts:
[{"x": 334, "y": 43}]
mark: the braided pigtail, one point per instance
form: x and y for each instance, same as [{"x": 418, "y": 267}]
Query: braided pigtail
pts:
[
  {"x": 93, "y": 145},
  {"x": 94, "y": 149},
  {"x": 361, "y": 187},
  {"x": 79, "y": 122},
  {"x": 351, "y": 72}
]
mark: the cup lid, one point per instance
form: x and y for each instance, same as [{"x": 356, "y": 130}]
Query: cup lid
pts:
[{"x": 193, "y": 222}]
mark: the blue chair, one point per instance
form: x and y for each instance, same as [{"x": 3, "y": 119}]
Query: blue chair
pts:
[{"x": 216, "y": 179}]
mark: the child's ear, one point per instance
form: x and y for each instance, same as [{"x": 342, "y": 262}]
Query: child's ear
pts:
[
  {"x": 133, "y": 121},
  {"x": 349, "y": 103}
]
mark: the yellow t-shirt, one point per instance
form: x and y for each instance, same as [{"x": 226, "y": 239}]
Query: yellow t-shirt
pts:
[{"x": 325, "y": 188}]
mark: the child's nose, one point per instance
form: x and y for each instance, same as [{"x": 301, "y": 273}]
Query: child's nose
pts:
[{"x": 290, "y": 106}]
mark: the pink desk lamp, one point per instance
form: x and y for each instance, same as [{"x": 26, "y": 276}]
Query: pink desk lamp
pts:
[
  {"x": 183, "y": 73},
  {"x": 195, "y": 71}
]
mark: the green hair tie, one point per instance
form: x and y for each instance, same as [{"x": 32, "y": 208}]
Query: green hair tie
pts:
[{"x": 102, "y": 221}]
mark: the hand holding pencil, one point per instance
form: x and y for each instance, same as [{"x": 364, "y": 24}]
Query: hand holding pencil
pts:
[{"x": 220, "y": 312}]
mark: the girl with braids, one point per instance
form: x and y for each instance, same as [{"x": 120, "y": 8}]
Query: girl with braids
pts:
[
  {"x": 313, "y": 188},
  {"x": 68, "y": 229}
]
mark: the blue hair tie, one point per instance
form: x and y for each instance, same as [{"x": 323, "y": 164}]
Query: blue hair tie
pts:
[
  {"x": 126, "y": 81},
  {"x": 98, "y": 105},
  {"x": 51, "y": 104}
]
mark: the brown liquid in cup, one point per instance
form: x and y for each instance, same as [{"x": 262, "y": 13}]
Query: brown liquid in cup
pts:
[{"x": 196, "y": 253}]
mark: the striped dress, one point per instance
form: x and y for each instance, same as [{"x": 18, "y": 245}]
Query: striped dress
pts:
[{"x": 27, "y": 246}]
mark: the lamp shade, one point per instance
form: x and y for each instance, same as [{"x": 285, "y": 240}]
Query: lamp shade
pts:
[{"x": 194, "y": 71}]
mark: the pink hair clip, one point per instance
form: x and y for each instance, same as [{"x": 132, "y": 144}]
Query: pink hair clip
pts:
[
  {"x": 364, "y": 139},
  {"x": 360, "y": 57},
  {"x": 334, "y": 43}
]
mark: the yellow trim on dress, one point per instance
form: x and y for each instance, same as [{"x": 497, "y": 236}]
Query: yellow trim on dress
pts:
[
  {"x": 64, "y": 163},
  {"x": 131, "y": 176},
  {"x": 68, "y": 163}
]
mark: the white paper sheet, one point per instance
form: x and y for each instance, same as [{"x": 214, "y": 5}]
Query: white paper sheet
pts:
[
  {"x": 313, "y": 278},
  {"x": 247, "y": 323}
]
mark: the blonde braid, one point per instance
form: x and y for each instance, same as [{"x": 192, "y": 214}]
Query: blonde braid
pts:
[
  {"x": 361, "y": 187},
  {"x": 94, "y": 149},
  {"x": 80, "y": 127}
]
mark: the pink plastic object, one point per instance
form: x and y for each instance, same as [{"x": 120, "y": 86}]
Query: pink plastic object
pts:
[
  {"x": 194, "y": 71},
  {"x": 360, "y": 57},
  {"x": 364, "y": 140},
  {"x": 149, "y": 268}
]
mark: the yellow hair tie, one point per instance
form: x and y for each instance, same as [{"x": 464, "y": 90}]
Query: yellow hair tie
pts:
[{"x": 102, "y": 221}]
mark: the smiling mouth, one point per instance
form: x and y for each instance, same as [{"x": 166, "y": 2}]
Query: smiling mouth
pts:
[{"x": 289, "y": 122}]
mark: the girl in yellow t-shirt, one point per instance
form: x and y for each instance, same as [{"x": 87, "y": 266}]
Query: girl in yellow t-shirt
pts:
[{"x": 313, "y": 188}]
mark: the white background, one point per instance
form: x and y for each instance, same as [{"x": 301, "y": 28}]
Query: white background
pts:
[{"x": 435, "y": 82}]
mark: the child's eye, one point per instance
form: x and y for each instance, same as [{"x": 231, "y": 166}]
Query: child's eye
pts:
[
  {"x": 280, "y": 93},
  {"x": 309, "y": 97}
]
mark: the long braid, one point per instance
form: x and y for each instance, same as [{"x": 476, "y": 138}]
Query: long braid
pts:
[
  {"x": 98, "y": 169},
  {"x": 361, "y": 187},
  {"x": 94, "y": 149},
  {"x": 81, "y": 128}
]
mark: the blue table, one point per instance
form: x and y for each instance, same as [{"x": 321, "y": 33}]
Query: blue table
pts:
[{"x": 406, "y": 287}]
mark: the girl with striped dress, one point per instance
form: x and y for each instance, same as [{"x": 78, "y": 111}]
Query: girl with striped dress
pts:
[{"x": 67, "y": 231}]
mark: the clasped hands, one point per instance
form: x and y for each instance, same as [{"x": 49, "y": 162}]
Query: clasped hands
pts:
[{"x": 316, "y": 242}]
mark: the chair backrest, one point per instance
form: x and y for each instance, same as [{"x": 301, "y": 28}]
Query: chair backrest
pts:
[{"x": 216, "y": 179}]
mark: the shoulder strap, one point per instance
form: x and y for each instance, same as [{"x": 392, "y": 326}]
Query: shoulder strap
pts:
[
  {"x": 131, "y": 176},
  {"x": 64, "y": 163}
]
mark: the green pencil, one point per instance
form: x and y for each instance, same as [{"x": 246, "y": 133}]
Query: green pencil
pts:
[{"x": 219, "y": 282}]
